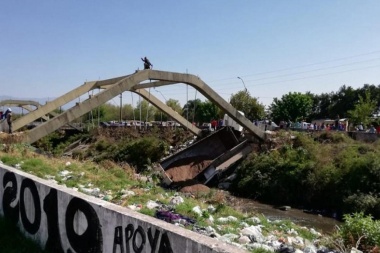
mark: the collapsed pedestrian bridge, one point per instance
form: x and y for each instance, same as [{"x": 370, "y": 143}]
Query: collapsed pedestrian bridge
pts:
[{"x": 136, "y": 83}]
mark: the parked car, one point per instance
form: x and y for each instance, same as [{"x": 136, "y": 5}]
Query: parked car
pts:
[{"x": 207, "y": 127}]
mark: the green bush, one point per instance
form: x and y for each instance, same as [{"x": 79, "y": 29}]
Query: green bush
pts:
[
  {"x": 314, "y": 174},
  {"x": 367, "y": 203},
  {"x": 360, "y": 229},
  {"x": 142, "y": 152}
]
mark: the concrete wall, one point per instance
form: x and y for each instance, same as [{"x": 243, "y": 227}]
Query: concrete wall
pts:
[{"x": 63, "y": 220}]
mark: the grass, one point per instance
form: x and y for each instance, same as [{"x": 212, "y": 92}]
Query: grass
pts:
[{"x": 13, "y": 241}]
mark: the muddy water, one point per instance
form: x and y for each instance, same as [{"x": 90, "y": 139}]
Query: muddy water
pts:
[{"x": 324, "y": 224}]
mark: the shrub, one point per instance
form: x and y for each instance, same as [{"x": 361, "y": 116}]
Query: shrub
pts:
[
  {"x": 142, "y": 152},
  {"x": 360, "y": 229}
]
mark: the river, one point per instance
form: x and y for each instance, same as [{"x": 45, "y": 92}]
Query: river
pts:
[{"x": 324, "y": 224}]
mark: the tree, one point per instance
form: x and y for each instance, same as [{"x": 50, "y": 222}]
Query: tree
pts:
[
  {"x": 190, "y": 110},
  {"x": 172, "y": 103},
  {"x": 363, "y": 109},
  {"x": 127, "y": 112},
  {"x": 108, "y": 112},
  {"x": 243, "y": 101},
  {"x": 207, "y": 111},
  {"x": 342, "y": 101},
  {"x": 293, "y": 106},
  {"x": 147, "y": 111},
  {"x": 321, "y": 105}
]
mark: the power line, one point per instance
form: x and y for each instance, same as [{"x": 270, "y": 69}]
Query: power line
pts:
[
  {"x": 219, "y": 90},
  {"x": 299, "y": 66}
]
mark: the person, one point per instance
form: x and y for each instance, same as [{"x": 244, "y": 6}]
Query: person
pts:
[
  {"x": 372, "y": 130},
  {"x": 213, "y": 124},
  {"x": 336, "y": 126},
  {"x": 147, "y": 63},
  {"x": 9, "y": 119}
]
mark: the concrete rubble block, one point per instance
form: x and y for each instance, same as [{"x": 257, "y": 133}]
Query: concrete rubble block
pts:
[
  {"x": 244, "y": 239},
  {"x": 254, "y": 232}
]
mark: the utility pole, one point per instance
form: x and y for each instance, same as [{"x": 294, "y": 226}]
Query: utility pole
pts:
[{"x": 121, "y": 106}]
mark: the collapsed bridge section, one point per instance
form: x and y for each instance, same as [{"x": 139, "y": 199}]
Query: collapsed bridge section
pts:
[{"x": 205, "y": 159}]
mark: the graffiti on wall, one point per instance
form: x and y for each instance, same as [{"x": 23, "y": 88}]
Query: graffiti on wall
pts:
[{"x": 130, "y": 239}]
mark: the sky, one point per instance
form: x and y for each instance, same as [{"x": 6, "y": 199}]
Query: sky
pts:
[{"x": 51, "y": 47}]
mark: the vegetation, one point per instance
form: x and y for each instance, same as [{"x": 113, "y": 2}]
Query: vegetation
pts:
[
  {"x": 299, "y": 171},
  {"x": 359, "y": 231},
  {"x": 293, "y": 106},
  {"x": 327, "y": 172},
  {"x": 251, "y": 107},
  {"x": 304, "y": 171},
  {"x": 363, "y": 109}
]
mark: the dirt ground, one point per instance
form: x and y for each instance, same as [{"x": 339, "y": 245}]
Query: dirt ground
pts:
[
  {"x": 195, "y": 189},
  {"x": 184, "y": 171},
  {"x": 187, "y": 168}
]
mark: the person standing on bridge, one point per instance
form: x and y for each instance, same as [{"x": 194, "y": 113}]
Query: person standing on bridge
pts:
[
  {"x": 147, "y": 63},
  {"x": 8, "y": 114}
]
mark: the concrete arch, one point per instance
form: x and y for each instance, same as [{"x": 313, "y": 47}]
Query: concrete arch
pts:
[
  {"x": 103, "y": 84},
  {"x": 19, "y": 103},
  {"x": 115, "y": 86},
  {"x": 25, "y": 104}
]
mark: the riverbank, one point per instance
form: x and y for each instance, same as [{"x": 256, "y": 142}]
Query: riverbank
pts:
[{"x": 214, "y": 216}]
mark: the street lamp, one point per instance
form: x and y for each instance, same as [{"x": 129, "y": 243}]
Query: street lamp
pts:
[
  {"x": 161, "y": 94},
  {"x": 243, "y": 83}
]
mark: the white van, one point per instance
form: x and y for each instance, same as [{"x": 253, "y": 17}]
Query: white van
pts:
[{"x": 228, "y": 121}]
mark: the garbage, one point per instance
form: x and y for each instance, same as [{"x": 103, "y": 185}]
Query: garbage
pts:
[
  {"x": 211, "y": 209},
  {"x": 135, "y": 207},
  {"x": 232, "y": 218},
  {"x": 176, "y": 200},
  {"x": 197, "y": 210},
  {"x": 172, "y": 217},
  {"x": 64, "y": 173},
  {"x": 127, "y": 193},
  {"x": 152, "y": 204},
  {"x": 254, "y": 220}
]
